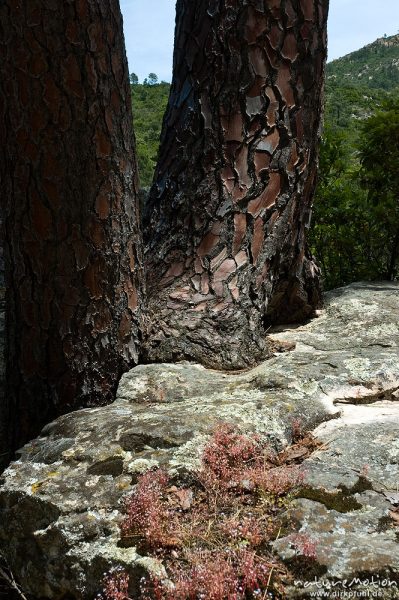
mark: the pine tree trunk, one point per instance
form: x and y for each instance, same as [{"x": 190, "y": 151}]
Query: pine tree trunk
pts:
[
  {"x": 232, "y": 195},
  {"x": 72, "y": 243}
]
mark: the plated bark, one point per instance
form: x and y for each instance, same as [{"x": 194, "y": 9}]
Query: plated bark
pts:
[
  {"x": 72, "y": 243},
  {"x": 226, "y": 220}
]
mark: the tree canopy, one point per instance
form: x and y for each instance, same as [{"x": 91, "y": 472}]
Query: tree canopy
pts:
[{"x": 355, "y": 234}]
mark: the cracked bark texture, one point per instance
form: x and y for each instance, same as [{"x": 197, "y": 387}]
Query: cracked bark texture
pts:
[
  {"x": 226, "y": 219},
  {"x": 72, "y": 243}
]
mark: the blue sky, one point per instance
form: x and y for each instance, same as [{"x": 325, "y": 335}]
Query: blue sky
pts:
[{"x": 149, "y": 29}]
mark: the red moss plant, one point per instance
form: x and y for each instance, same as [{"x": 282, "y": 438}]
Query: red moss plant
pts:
[
  {"x": 297, "y": 429},
  {"x": 235, "y": 461},
  {"x": 213, "y": 537}
]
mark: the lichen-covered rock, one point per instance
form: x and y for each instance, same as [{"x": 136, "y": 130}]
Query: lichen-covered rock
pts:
[
  {"x": 351, "y": 486},
  {"x": 61, "y": 501}
]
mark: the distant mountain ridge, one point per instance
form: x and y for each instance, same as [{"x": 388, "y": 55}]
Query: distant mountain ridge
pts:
[
  {"x": 375, "y": 65},
  {"x": 357, "y": 84}
]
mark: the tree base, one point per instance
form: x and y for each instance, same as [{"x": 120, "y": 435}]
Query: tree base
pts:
[
  {"x": 224, "y": 340},
  {"x": 228, "y": 336},
  {"x": 295, "y": 299}
]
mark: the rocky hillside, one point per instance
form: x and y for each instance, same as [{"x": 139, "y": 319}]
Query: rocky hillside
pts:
[
  {"x": 359, "y": 82},
  {"x": 375, "y": 66}
]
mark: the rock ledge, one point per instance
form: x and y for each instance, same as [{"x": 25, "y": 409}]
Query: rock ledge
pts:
[{"x": 60, "y": 502}]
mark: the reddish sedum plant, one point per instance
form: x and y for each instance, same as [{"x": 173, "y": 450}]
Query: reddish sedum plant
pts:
[
  {"x": 235, "y": 460},
  {"x": 115, "y": 585},
  {"x": 304, "y": 544},
  {"x": 228, "y": 575},
  {"x": 146, "y": 512},
  {"x": 279, "y": 480},
  {"x": 213, "y": 537},
  {"x": 248, "y": 528},
  {"x": 296, "y": 429},
  {"x": 227, "y": 456}
]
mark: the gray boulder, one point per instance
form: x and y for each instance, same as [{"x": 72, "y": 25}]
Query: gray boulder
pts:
[{"x": 61, "y": 502}]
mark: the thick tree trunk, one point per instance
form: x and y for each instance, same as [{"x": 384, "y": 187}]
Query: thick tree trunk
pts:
[
  {"x": 72, "y": 243},
  {"x": 226, "y": 219}
]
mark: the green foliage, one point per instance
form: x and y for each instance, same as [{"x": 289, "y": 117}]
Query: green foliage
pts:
[
  {"x": 149, "y": 104},
  {"x": 355, "y": 226},
  {"x": 133, "y": 79},
  {"x": 379, "y": 174},
  {"x": 374, "y": 67},
  {"x": 360, "y": 83},
  {"x": 379, "y": 152},
  {"x": 348, "y": 105},
  {"x": 355, "y": 233},
  {"x": 336, "y": 233},
  {"x": 152, "y": 79}
]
